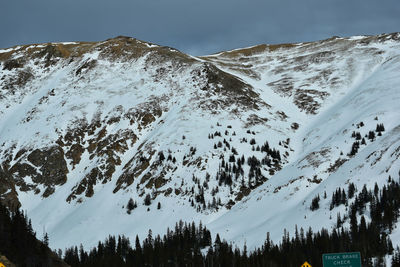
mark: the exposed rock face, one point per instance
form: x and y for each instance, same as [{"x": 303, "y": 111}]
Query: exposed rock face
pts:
[
  {"x": 12, "y": 64},
  {"x": 7, "y": 190},
  {"x": 46, "y": 167},
  {"x": 82, "y": 122},
  {"x": 100, "y": 143}
]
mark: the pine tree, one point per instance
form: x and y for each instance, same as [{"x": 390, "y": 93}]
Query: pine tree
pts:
[
  {"x": 46, "y": 239},
  {"x": 315, "y": 203},
  {"x": 371, "y": 135},
  {"x": 363, "y": 142},
  {"x": 130, "y": 206},
  {"x": 351, "y": 190},
  {"x": 147, "y": 200},
  {"x": 161, "y": 156},
  {"x": 138, "y": 247}
]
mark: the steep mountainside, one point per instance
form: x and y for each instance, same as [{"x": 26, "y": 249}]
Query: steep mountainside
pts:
[{"x": 242, "y": 140}]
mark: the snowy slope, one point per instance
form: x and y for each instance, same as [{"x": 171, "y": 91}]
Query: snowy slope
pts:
[
  {"x": 83, "y": 126},
  {"x": 321, "y": 142}
]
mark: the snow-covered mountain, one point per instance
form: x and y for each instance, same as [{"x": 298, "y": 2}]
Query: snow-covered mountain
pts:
[{"x": 241, "y": 140}]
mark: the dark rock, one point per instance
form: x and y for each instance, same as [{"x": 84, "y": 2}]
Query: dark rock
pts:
[{"x": 12, "y": 64}]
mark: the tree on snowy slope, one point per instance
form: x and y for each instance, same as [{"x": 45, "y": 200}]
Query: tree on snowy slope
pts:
[
  {"x": 184, "y": 246},
  {"x": 19, "y": 244}
]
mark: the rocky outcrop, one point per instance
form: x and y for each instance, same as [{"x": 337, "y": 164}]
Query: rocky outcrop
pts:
[
  {"x": 8, "y": 194},
  {"x": 46, "y": 167},
  {"x": 114, "y": 100}
]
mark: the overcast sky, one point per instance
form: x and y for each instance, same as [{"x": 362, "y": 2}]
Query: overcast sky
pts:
[{"x": 194, "y": 26}]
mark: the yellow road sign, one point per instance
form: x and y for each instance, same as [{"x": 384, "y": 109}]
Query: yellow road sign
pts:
[{"x": 306, "y": 264}]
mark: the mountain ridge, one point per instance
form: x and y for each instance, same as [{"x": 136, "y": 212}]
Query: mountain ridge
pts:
[{"x": 123, "y": 119}]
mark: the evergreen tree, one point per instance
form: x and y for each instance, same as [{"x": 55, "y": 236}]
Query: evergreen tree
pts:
[
  {"x": 130, "y": 206},
  {"x": 147, "y": 200},
  {"x": 18, "y": 242},
  {"x": 315, "y": 203},
  {"x": 185, "y": 245},
  {"x": 46, "y": 239}
]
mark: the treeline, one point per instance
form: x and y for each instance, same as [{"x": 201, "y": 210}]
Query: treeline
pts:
[
  {"x": 179, "y": 247},
  {"x": 191, "y": 245},
  {"x": 383, "y": 204},
  {"x": 19, "y": 244}
]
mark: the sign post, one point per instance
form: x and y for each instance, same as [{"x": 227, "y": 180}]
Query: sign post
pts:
[{"x": 347, "y": 259}]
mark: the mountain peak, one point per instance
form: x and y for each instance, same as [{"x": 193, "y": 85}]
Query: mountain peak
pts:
[{"x": 88, "y": 127}]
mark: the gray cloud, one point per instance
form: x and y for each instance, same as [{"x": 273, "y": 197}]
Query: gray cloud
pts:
[{"x": 195, "y": 26}]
